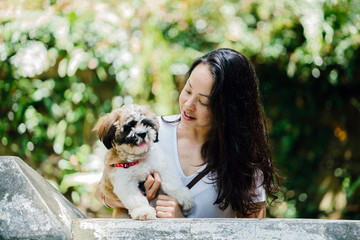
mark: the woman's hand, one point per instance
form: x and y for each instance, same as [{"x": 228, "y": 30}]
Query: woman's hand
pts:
[
  {"x": 107, "y": 200},
  {"x": 167, "y": 207},
  {"x": 152, "y": 185}
]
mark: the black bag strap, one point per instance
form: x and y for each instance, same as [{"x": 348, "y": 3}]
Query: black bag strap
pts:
[{"x": 197, "y": 178}]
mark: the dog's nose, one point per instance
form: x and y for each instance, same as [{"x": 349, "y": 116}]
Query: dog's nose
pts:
[{"x": 141, "y": 134}]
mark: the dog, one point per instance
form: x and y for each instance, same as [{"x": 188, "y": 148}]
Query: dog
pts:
[{"x": 129, "y": 134}]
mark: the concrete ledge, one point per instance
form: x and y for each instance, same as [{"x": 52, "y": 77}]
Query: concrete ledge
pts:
[
  {"x": 215, "y": 229},
  {"x": 30, "y": 207}
]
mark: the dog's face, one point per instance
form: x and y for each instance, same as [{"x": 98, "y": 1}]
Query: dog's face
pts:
[{"x": 130, "y": 129}]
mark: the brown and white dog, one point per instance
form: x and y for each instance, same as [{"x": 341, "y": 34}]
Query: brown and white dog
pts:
[{"x": 129, "y": 133}]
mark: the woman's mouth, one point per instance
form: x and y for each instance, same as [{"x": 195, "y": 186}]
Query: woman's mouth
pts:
[{"x": 187, "y": 117}]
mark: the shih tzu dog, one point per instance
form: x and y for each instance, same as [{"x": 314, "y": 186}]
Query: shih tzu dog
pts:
[{"x": 129, "y": 133}]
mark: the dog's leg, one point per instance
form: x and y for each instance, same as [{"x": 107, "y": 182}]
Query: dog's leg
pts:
[
  {"x": 108, "y": 189},
  {"x": 133, "y": 200},
  {"x": 177, "y": 190},
  {"x": 171, "y": 184},
  {"x": 120, "y": 213}
]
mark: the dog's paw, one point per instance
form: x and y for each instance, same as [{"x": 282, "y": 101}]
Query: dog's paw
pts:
[
  {"x": 185, "y": 198},
  {"x": 143, "y": 213}
]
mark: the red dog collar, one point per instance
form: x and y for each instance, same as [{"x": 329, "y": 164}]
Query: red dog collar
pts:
[{"x": 125, "y": 165}]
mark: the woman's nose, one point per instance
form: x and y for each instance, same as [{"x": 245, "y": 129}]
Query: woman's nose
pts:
[{"x": 190, "y": 104}]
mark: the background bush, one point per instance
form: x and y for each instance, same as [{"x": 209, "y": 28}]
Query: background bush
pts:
[{"x": 63, "y": 64}]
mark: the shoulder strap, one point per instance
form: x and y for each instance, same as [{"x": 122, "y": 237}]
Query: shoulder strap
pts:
[{"x": 197, "y": 178}]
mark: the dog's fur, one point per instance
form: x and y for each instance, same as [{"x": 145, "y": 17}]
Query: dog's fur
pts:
[{"x": 129, "y": 133}]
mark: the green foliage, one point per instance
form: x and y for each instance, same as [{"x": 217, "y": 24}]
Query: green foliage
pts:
[{"x": 63, "y": 64}]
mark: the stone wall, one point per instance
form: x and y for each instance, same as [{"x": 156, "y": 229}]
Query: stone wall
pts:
[
  {"x": 31, "y": 208},
  {"x": 216, "y": 229}
]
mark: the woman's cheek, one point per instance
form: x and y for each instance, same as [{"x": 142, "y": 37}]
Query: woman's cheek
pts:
[
  {"x": 207, "y": 116},
  {"x": 181, "y": 100}
]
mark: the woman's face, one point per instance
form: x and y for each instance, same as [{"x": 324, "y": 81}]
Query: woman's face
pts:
[{"x": 194, "y": 98}]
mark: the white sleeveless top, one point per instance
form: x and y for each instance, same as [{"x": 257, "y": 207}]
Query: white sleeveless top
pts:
[{"x": 204, "y": 191}]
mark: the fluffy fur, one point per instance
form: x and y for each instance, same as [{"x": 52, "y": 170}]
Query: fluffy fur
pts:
[{"x": 129, "y": 133}]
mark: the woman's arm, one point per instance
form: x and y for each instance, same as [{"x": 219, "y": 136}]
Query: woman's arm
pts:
[
  {"x": 261, "y": 213},
  {"x": 107, "y": 200}
]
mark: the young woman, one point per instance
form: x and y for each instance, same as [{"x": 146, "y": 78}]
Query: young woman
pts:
[{"x": 221, "y": 130}]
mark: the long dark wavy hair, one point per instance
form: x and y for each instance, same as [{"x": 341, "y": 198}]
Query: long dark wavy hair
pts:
[{"x": 237, "y": 145}]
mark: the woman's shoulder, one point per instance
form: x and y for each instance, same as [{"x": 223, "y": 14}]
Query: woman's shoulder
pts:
[
  {"x": 169, "y": 119},
  {"x": 167, "y": 129},
  {"x": 168, "y": 122}
]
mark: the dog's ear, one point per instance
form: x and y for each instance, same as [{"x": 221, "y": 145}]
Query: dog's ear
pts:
[
  {"x": 108, "y": 138},
  {"x": 153, "y": 117},
  {"x": 156, "y": 127},
  {"x": 105, "y": 129}
]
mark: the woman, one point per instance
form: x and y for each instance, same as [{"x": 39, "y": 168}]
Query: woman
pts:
[{"x": 221, "y": 129}]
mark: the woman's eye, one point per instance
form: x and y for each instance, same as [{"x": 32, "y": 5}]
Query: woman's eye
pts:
[
  {"x": 188, "y": 92},
  {"x": 204, "y": 104}
]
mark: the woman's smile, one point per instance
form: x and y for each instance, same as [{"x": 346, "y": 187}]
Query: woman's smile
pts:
[{"x": 187, "y": 117}]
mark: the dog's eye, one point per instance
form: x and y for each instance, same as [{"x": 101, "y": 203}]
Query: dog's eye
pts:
[
  {"x": 148, "y": 123},
  {"x": 132, "y": 123},
  {"x": 129, "y": 126},
  {"x": 127, "y": 130}
]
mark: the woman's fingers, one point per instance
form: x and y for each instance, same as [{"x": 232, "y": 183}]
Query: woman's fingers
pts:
[
  {"x": 166, "y": 201},
  {"x": 164, "y": 214},
  {"x": 152, "y": 185},
  {"x": 149, "y": 182},
  {"x": 167, "y": 207}
]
